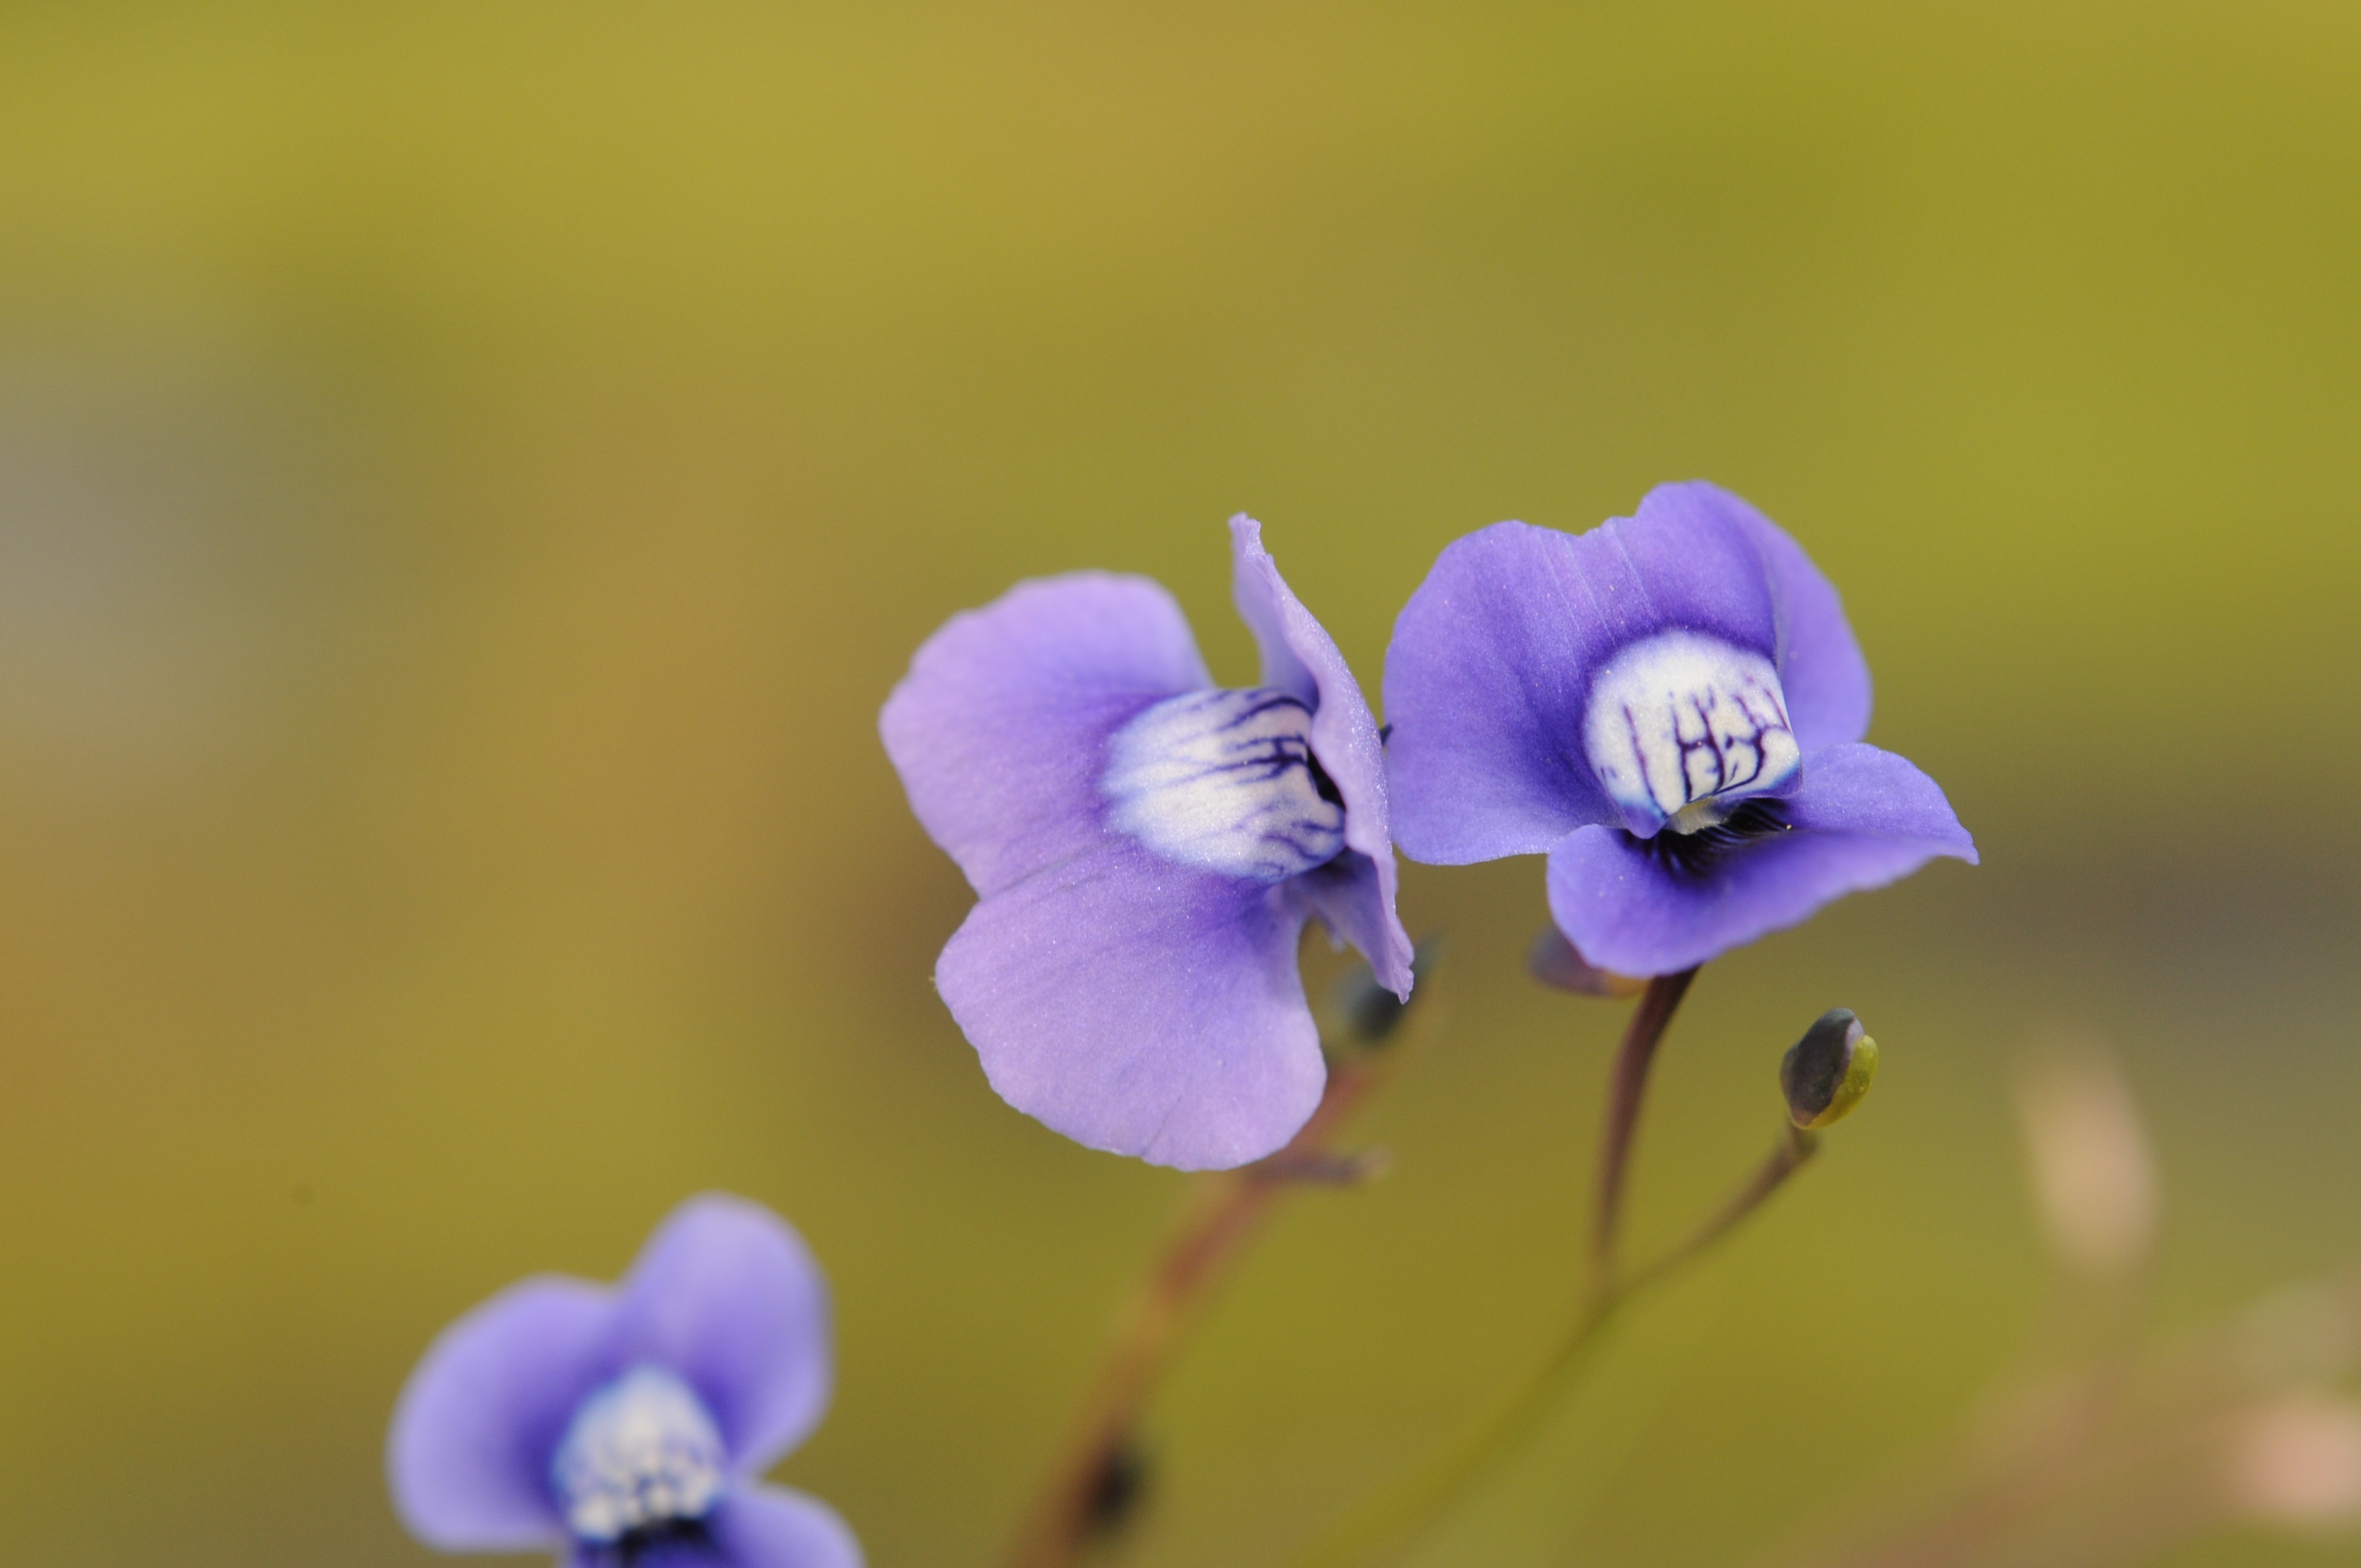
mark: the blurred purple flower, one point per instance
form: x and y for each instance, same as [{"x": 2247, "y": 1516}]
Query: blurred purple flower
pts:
[
  {"x": 624, "y": 1428},
  {"x": 1671, "y": 708},
  {"x": 1146, "y": 847}
]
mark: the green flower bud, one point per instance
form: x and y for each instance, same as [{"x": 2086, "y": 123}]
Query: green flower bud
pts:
[{"x": 1828, "y": 1070}]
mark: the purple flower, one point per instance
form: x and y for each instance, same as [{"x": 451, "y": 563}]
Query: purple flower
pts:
[
  {"x": 624, "y": 1428},
  {"x": 1671, "y": 708},
  {"x": 1146, "y": 846}
]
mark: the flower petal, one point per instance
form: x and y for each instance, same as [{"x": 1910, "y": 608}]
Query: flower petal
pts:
[
  {"x": 726, "y": 1295},
  {"x": 753, "y": 1527},
  {"x": 1820, "y": 668},
  {"x": 1301, "y": 658},
  {"x": 1276, "y": 617},
  {"x": 770, "y": 1527},
  {"x": 1860, "y": 789},
  {"x": 1352, "y": 897},
  {"x": 1862, "y": 818},
  {"x": 1141, "y": 1008},
  {"x": 477, "y": 1424},
  {"x": 999, "y": 730},
  {"x": 1489, "y": 676}
]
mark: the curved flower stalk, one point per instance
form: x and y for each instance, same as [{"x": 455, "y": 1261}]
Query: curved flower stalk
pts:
[
  {"x": 1670, "y": 707},
  {"x": 625, "y": 1427},
  {"x": 1146, "y": 847},
  {"x": 1834, "y": 1060}
]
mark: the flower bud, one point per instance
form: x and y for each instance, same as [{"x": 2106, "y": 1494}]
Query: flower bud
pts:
[
  {"x": 1367, "y": 1011},
  {"x": 1118, "y": 1488},
  {"x": 1554, "y": 961},
  {"x": 1828, "y": 1071}
]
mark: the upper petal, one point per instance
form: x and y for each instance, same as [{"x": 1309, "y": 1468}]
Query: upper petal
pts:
[
  {"x": 1489, "y": 676},
  {"x": 1140, "y": 1007},
  {"x": 1862, "y": 818},
  {"x": 999, "y": 730},
  {"x": 478, "y": 1422},
  {"x": 726, "y": 1295},
  {"x": 1820, "y": 665},
  {"x": 1300, "y": 657},
  {"x": 1280, "y": 624}
]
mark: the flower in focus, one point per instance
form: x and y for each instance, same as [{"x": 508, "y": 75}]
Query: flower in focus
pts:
[
  {"x": 624, "y": 1427},
  {"x": 1670, "y": 707},
  {"x": 1145, "y": 848}
]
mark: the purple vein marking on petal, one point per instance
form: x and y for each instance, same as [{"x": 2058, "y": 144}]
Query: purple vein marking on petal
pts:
[
  {"x": 1224, "y": 782},
  {"x": 1693, "y": 727},
  {"x": 1346, "y": 748}
]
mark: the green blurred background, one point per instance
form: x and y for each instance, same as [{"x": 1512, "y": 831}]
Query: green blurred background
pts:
[{"x": 469, "y": 474}]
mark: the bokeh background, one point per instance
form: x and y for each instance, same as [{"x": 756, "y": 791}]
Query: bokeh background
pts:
[{"x": 470, "y": 475}]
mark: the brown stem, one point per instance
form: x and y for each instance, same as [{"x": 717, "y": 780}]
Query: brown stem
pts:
[
  {"x": 1223, "y": 1215},
  {"x": 1625, "y": 1090}
]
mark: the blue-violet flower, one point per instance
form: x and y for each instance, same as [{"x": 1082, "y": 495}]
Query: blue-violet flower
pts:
[
  {"x": 624, "y": 1428},
  {"x": 1146, "y": 847},
  {"x": 1670, "y": 707}
]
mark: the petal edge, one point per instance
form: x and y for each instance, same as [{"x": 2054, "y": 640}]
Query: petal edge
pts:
[
  {"x": 467, "y": 1455},
  {"x": 1862, "y": 818},
  {"x": 1141, "y": 1008},
  {"x": 999, "y": 730},
  {"x": 726, "y": 1294},
  {"x": 1298, "y": 652}
]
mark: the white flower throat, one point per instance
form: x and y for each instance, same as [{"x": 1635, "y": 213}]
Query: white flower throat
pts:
[
  {"x": 1226, "y": 781},
  {"x": 643, "y": 1453},
  {"x": 1682, "y": 726}
]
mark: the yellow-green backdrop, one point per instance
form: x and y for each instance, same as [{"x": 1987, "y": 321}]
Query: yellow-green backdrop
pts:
[{"x": 469, "y": 474}]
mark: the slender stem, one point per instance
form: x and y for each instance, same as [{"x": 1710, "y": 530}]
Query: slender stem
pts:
[
  {"x": 1626, "y": 1087},
  {"x": 1795, "y": 1146},
  {"x": 1225, "y": 1212},
  {"x": 1403, "y": 1513}
]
